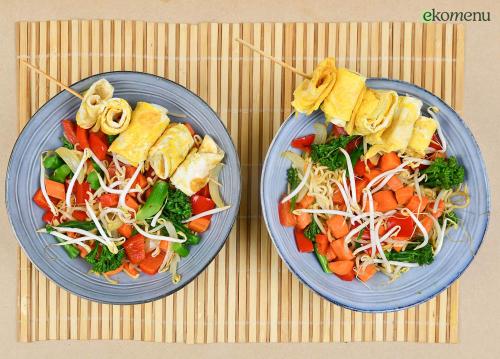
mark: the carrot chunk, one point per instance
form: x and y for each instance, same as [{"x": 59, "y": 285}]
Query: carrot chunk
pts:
[
  {"x": 403, "y": 195},
  {"x": 340, "y": 251},
  {"x": 366, "y": 273},
  {"x": 385, "y": 201},
  {"x": 389, "y": 161},
  {"x": 417, "y": 204},
  {"x": 337, "y": 226},
  {"x": 341, "y": 267}
]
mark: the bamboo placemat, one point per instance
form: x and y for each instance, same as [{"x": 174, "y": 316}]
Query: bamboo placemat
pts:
[{"x": 246, "y": 294}]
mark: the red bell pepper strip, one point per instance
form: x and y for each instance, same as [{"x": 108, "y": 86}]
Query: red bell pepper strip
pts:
[
  {"x": 69, "y": 129},
  {"x": 405, "y": 222},
  {"x": 201, "y": 204},
  {"x": 80, "y": 191},
  {"x": 82, "y": 136},
  {"x": 304, "y": 244},
  {"x": 98, "y": 144},
  {"x": 40, "y": 201},
  {"x": 303, "y": 143}
]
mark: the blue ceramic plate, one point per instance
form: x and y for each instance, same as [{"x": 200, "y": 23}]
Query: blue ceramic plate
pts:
[
  {"x": 419, "y": 284},
  {"x": 42, "y": 133}
]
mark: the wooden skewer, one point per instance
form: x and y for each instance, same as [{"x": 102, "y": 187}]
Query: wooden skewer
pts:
[
  {"x": 273, "y": 59},
  {"x": 60, "y": 84},
  {"x": 73, "y": 92}
]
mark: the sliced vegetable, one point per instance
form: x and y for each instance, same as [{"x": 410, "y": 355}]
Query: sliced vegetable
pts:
[
  {"x": 199, "y": 225},
  {"x": 323, "y": 262},
  {"x": 61, "y": 173},
  {"x": 81, "y": 191},
  {"x": 303, "y": 143},
  {"x": 405, "y": 222},
  {"x": 367, "y": 272},
  {"x": 150, "y": 264},
  {"x": 420, "y": 256},
  {"x": 98, "y": 144},
  {"x": 304, "y": 244},
  {"x": 102, "y": 260},
  {"x": 341, "y": 251},
  {"x": 82, "y": 136},
  {"x": 40, "y": 201},
  {"x": 385, "y": 201},
  {"x": 93, "y": 180},
  {"x": 180, "y": 248},
  {"x": 72, "y": 158},
  {"x": 108, "y": 200},
  {"x": 417, "y": 204},
  {"x": 338, "y": 226},
  {"x": 126, "y": 230},
  {"x": 55, "y": 189},
  {"x": 69, "y": 129},
  {"x": 135, "y": 248},
  {"x": 287, "y": 218},
  {"x": 403, "y": 195},
  {"x": 293, "y": 180},
  {"x": 52, "y": 162},
  {"x": 341, "y": 267},
  {"x": 200, "y": 204},
  {"x": 389, "y": 161}
]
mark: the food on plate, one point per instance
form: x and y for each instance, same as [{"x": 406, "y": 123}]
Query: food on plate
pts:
[
  {"x": 170, "y": 150},
  {"x": 93, "y": 103},
  {"x": 397, "y": 136},
  {"x": 115, "y": 117},
  {"x": 386, "y": 212},
  {"x": 193, "y": 174},
  {"x": 421, "y": 137},
  {"x": 107, "y": 198},
  {"x": 311, "y": 92},
  {"x": 375, "y": 112},
  {"x": 344, "y": 99},
  {"x": 146, "y": 126}
]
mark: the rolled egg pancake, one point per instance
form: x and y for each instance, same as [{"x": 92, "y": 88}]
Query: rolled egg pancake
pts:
[
  {"x": 397, "y": 136},
  {"x": 193, "y": 174},
  {"x": 93, "y": 103},
  {"x": 311, "y": 92},
  {"x": 375, "y": 112},
  {"x": 114, "y": 118},
  {"x": 170, "y": 150},
  {"x": 344, "y": 99},
  {"x": 421, "y": 137},
  {"x": 146, "y": 125}
]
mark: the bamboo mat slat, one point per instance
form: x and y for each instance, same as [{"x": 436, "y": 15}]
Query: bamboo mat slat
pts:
[{"x": 246, "y": 294}]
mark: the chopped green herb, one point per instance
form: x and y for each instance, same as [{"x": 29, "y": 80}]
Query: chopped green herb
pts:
[
  {"x": 328, "y": 154},
  {"x": 178, "y": 207},
  {"x": 451, "y": 215},
  {"x": 421, "y": 256},
  {"x": 103, "y": 260},
  {"x": 444, "y": 173}
]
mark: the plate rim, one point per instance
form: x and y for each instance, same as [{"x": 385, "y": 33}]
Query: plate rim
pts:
[
  {"x": 452, "y": 280},
  {"x": 175, "y": 289}
]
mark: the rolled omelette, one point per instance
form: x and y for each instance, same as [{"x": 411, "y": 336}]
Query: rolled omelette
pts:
[
  {"x": 311, "y": 93},
  {"x": 93, "y": 103},
  {"x": 114, "y": 118},
  {"x": 146, "y": 125},
  {"x": 344, "y": 99},
  {"x": 421, "y": 137},
  {"x": 397, "y": 136},
  {"x": 193, "y": 174},
  {"x": 375, "y": 112},
  {"x": 170, "y": 150}
]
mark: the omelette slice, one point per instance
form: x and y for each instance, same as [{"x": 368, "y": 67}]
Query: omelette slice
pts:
[
  {"x": 115, "y": 117},
  {"x": 421, "y": 136},
  {"x": 344, "y": 99},
  {"x": 311, "y": 93},
  {"x": 170, "y": 150},
  {"x": 146, "y": 125},
  {"x": 375, "y": 112},
  {"x": 193, "y": 174},
  {"x": 93, "y": 103},
  {"x": 397, "y": 136}
]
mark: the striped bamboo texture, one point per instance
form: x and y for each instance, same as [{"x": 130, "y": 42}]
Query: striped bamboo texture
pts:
[{"x": 246, "y": 294}]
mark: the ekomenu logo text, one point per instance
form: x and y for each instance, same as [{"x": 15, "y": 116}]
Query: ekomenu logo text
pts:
[{"x": 455, "y": 16}]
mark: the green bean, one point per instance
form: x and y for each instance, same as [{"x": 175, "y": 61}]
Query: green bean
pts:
[
  {"x": 93, "y": 180},
  {"x": 323, "y": 262},
  {"x": 85, "y": 225},
  {"x": 61, "y": 173},
  {"x": 52, "y": 162},
  {"x": 191, "y": 239},
  {"x": 72, "y": 251},
  {"x": 155, "y": 201},
  {"x": 180, "y": 249}
]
